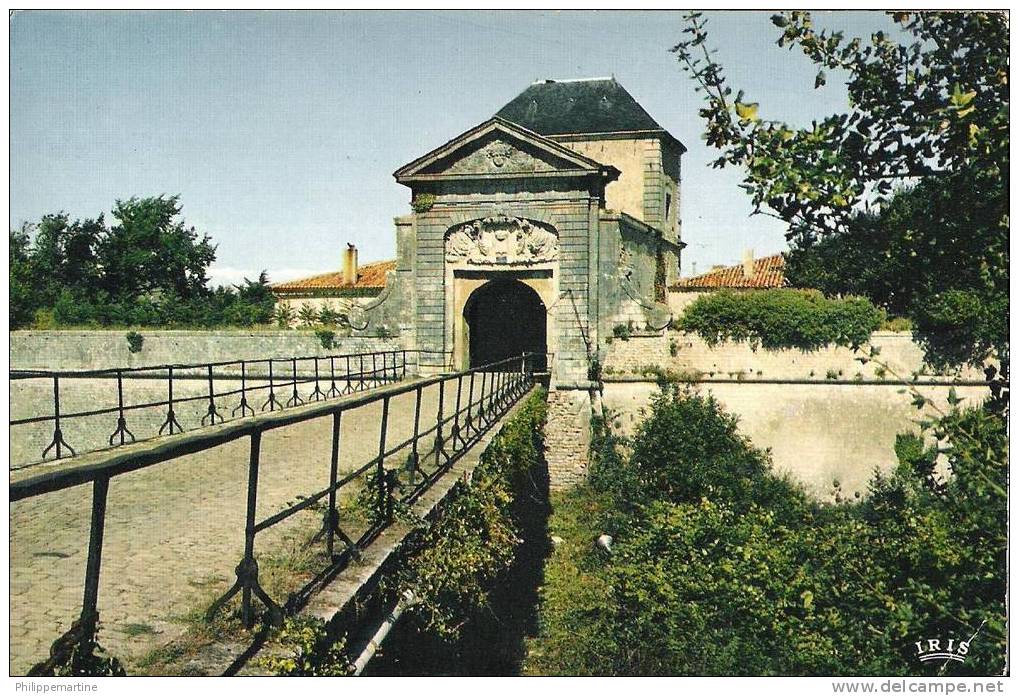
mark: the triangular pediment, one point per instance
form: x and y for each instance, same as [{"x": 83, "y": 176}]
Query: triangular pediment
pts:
[{"x": 497, "y": 148}]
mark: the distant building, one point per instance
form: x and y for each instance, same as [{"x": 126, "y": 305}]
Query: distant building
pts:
[
  {"x": 341, "y": 291},
  {"x": 752, "y": 274}
]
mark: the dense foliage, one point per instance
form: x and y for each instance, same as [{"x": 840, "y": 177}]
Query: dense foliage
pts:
[
  {"x": 741, "y": 572},
  {"x": 147, "y": 269},
  {"x": 475, "y": 538},
  {"x": 930, "y": 113},
  {"x": 307, "y": 650},
  {"x": 903, "y": 259},
  {"x": 781, "y": 318}
]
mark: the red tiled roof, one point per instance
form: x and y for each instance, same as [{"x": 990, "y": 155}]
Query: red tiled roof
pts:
[
  {"x": 369, "y": 276},
  {"x": 769, "y": 272}
]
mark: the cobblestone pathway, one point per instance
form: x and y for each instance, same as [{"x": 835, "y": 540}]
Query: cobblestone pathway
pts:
[{"x": 174, "y": 532}]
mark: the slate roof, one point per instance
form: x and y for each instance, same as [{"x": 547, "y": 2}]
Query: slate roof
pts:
[
  {"x": 565, "y": 107},
  {"x": 769, "y": 272},
  {"x": 369, "y": 276}
]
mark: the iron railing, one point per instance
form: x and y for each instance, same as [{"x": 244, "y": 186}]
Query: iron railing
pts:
[
  {"x": 442, "y": 443},
  {"x": 277, "y": 379}
]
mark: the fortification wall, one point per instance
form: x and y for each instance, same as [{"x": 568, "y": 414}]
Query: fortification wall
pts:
[
  {"x": 97, "y": 350},
  {"x": 817, "y": 433},
  {"x": 685, "y": 353},
  {"x": 832, "y": 419},
  {"x": 568, "y": 436}
]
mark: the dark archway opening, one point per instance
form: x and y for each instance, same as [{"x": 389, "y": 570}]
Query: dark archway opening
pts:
[{"x": 505, "y": 318}]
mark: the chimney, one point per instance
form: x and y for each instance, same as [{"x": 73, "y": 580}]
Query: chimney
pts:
[
  {"x": 748, "y": 263},
  {"x": 350, "y": 264}
]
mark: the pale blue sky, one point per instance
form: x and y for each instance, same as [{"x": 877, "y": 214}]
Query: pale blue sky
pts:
[{"x": 281, "y": 130}]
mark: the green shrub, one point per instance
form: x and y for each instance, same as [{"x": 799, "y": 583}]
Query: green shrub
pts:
[
  {"x": 473, "y": 541},
  {"x": 423, "y": 202},
  {"x": 622, "y": 331},
  {"x": 715, "y": 557},
  {"x": 781, "y": 318},
  {"x": 306, "y": 650},
  {"x": 134, "y": 341},
  {"x": 307, "y": 315},
  {"x": 329, "y": 316},
  {"x": 326, "y": 337},
  {"x": 688, "y": 448},
  {"x": 284, "y": 315},
  {"x": 897, "y": 324}
]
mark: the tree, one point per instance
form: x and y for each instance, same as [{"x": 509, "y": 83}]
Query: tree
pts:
[
  {"x": 150, "y": 250},
  {"x": 24, "y": 299},
  {"x": 64, "y": 256},
  {"x": 931, "y": 113},
  {"x": 148, "y": 270}
]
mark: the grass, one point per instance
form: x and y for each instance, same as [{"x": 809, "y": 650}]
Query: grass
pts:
[
  {"x": 896, "y": 324},
  {"x": 576, "y": 592},
  {"x": 291, "y": 563}
]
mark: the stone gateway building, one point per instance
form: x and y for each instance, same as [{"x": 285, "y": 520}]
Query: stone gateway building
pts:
[{"x": 540, "y": 230}]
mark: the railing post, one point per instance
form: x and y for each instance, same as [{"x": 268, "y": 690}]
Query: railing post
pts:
[
  {"x": 212, "y": 413},
  {"x": 469, "y": 421},
  {"x": 333, "y": 391},
  {"x": 171, "y": 418},
  {"x": 385, "y": 498},
  {"x": 455, "y": 430},
  {"x": 413, "y": 461},
  {"x": 243, "y": 407},
  {"x": 272, "y": 402},
  {"x": 332, "y": 521},
  {"x": 58, "y": 435},
  {"x": 439, "y": 441},
  {"x": 491, "y": 397},
  {"x": 121, "y": 430},
  {"x": 375, "y": 370},
  {"x": 317, "y": 394},
  {"x": 90, "y": 600},
  {"x": 500, "y": 390},
  {"x": 482, "y": 411},
  {"x": 404, "y": 364},
  {"x": 360, "y": 372},
  {"x": 247, "y": 570},
  {"x": 295, "y": 399}
]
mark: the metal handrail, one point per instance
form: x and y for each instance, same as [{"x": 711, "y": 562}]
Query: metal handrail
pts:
[
  {"x": 453, "y": 433},
  {"x": 356, "y": 371}
]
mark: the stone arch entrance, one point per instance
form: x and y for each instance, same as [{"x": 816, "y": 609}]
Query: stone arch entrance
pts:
[{"x": 504, "y": 318}]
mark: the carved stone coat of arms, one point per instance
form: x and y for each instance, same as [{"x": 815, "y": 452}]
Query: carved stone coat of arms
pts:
[{"x": 502, "y": 239}]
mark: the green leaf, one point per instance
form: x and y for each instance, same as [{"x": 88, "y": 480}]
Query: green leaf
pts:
[{"x": 747, "y": 112}]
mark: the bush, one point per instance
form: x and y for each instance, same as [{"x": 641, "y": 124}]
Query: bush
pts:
[
  {"x": 722, "y": 568},
  {"x": 688, "y": 449},
  {"x": 307, "y": 650},
  {"x": 474, "y": 540},
  {"x": 622, "y": 331},
  {"x": 326, "y": 337},
  {"x": 423, "y": 202},
  {"x": 134, "y": 341},
  {"x": 782, "y": 318},
  {"x": 284, "y": 315}
]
